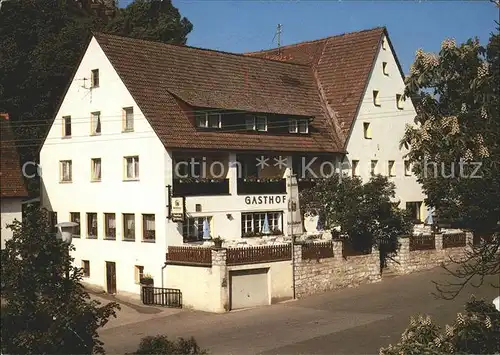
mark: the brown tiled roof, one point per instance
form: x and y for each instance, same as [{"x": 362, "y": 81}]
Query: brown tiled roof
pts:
[
  {"x": 168, "y": 81},
  {"x": 11, "y": 178},
  {"x": 343, "y": 65}
]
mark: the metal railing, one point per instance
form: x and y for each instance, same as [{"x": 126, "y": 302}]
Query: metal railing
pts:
[{"x": 158, "y": 296}]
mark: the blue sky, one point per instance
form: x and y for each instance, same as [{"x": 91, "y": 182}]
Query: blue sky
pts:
[{"x": 249, "y": 25}]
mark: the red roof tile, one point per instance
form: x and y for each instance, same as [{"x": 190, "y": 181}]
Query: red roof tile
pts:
[
  {"x": 168, "y": 81},
  {"x": 11, "y": 179},
  {"x": 343, "y": 64}
]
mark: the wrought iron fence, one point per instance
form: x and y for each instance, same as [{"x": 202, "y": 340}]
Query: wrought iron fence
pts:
[{"x": 167, "y": 297}]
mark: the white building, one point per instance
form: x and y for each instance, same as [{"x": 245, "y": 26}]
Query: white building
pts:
[
  {"x": 12, "y": 188},
  {"x": 143, "y": 121}
]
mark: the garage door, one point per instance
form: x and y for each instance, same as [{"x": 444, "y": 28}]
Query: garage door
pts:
[{"x": 249, "y": 288}]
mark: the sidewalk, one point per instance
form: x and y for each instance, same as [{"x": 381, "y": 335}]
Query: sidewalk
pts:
[{"x": 132, "y": 311}]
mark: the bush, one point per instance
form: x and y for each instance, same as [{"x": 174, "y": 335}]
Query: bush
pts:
[
  {"x": 475, "y": 332},
  {"x": 160, "y": 345}
]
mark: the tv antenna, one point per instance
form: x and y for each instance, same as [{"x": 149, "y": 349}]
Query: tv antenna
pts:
[
  {"x": 278, "y": 36},
  {"x": 84, "y": 86}
]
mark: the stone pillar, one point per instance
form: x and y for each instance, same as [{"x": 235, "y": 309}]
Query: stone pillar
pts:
[
  {"x": 338, "y": 246},
  {"x": 298, "y": 274},
  {"x": 469, "y": 240},
  {"x": 220, "y": 281},
  {"x": 401, "y": 265},
  {"x": 375, "y": 275},
  {"x": 440, "y": 251},
  {"x": 232, "y": 174}
]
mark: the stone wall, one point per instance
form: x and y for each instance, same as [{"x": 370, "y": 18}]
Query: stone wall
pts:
[
  {"x": 320, "y": 275},
  {"x": 407, "y": 261}
]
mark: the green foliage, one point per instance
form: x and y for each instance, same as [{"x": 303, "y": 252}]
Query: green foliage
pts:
[
  {"x": 363, "y": 212},
  {"x": 160, "y": 345},
  {"x": 42, "y": 42},
  {"x": 458, "y": 123},
  {"x": 47, "y": 311},
  {"x": 475, "y": 332}
]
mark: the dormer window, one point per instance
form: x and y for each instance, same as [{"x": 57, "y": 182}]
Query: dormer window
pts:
[
  {"x": 94, "y": 78},
  {"x": 209, "y": 120},
  {"x": 298, "y": 125},
  {"x": 256, "y": 123}
]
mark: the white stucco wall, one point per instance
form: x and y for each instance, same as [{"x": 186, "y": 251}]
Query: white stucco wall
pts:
[
  {"x": 387, "y": 124},
  {"x": 112, "y": 194},
  {"x": 11, "y": 209}
]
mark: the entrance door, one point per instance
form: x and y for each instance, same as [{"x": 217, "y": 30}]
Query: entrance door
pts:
[{"x": 111, "y": 277}]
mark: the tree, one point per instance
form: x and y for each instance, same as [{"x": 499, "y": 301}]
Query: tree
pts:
[
  {"x": 363, "y": 212},
  {"x": 47, "y": 312},
  {"x": 456, "y": 133},
  {"x": 42, "y": 41},
  {"x": 161, "y": 345},
  {"x": 475, "y": 332}
]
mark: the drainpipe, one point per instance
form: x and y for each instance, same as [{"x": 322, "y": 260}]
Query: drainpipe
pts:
[{"x": 163, "y": 268}]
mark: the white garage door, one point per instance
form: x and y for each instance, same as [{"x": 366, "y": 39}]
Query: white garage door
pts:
[{"x": 249, "y": 288}]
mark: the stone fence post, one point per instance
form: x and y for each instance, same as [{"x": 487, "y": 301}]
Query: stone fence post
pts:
[
  {"x": 401, "y": 262},
  {"x": 469, "y": 240},
  {"x": 220, "y": 282},
  {"x": 338, "y": 247},
  {"x": 438, "y": 239}
]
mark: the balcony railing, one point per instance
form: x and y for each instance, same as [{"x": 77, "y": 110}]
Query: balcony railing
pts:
[
  {"x": 194, "y": 187},
  {"x": 261, "y": 186}
]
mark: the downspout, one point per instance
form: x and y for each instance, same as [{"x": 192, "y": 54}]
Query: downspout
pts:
[{"x": 163, "y": 268}]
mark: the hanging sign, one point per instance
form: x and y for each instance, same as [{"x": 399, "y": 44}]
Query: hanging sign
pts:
[{"x": 177, "y": 210}]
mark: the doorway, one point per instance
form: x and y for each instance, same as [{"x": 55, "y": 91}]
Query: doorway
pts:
[{"x": 111, "y": 277}]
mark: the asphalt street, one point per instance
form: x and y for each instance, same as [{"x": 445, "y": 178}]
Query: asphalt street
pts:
[{"x": 350, "y": 321}]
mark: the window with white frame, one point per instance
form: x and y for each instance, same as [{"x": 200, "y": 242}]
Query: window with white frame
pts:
[
  {"x": 250, "y": 122},
  {"x": 390, "y": 168},
  {"x": 354, "y": 167},
  {"x": 373, "y": 167},
  {"x": 65, "y": 173},
  {"x": 95, "y": 123},
  {"x": 252, "y": 223},
  {"x": 95, "y": 167},
  {"x": 148, "y": 227},
  {"x": 132, "y": 168},
  {"x": 94, "y": 78},
  {"x": 110, "y": 226},
  {"x": 67, "y": 126},
  {"x": 128, "y": 119},
  {"x": 129, "y": 226},
  {"x": 209, "y": 120},
  {"x": 298, "y": 125},
  {"x": 75, "y": 217},
  {"x": 261, "y": 123},
  {"x": 91, "y": 225},
  {"x": 86, "y": 268},
  {"x": 192, "y": 229},
  {"x": 138, "y": 273}
]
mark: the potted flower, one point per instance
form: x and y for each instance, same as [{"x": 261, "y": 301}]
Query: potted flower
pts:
[
  {"x": 218, "y": 242},
  {"x": 147, "y": 280}
]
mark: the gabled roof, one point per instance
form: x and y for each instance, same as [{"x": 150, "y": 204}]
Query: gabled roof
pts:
[
  {"x": 169, "y": 81},
  {"x": 11, "y": 178},
  {"x": 343, "y": 65}
]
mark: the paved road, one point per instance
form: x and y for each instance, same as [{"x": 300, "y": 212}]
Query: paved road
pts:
[{"x": 350, "y": 321}]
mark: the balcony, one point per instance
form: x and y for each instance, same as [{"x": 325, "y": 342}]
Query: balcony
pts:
[
  {"x": 200, "y": 187},
  {"x": 261, "y": 186}
]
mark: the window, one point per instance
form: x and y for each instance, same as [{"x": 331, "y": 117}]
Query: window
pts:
[
  {"x": 92, "y": 225},
  {"x": 128, "y": 117},
  {"x": 252, "y": 223},
  {"x": 67, "y": 126},
  {"x": 407, "y": 168},
  {"x": 415, "y": 209},
  {"x": 298, "y": 125},
  {"x": 390, "y": 168},
  {"x": 373, "y": 170},
  {"x": 95, "y": 123},
  {"x": 354, "y": 167},
  {"x": 148, "y": 227},
  {"x": 367, "y": 131},
  {"x": 132, "y": 168},
  {"x": 128, "y": 226},
  {"x": 86, "y": 268},
  {"x": 384, "y": 68},
  {"x": 192, "y": 230},
  {"x": 65, "y": 174},
  {"x": 94, "y": 78},
  {"x": 384, "y": 43},
  {"x": 75, "y": 217},
  {"x": 209, "y": 120},
  {"x": 400, "y": 101},
  {"x": 110, "y": 226},
  {"x": 138, "y": 273},
  {"x": 95, "y": 169},
  {"x": 261, "y": 124},
  {"x": 250, "y": 123},
  {"x": 376, "y": 99}
]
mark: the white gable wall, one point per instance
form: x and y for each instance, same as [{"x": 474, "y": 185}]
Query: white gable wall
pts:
[
  {"x": 387, "y": 124},
  {"x": 113, "y": 194}
]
